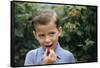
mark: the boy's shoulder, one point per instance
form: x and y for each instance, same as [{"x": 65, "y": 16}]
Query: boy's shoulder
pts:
[
  {"x": 66, "y": 52},
  {"x": 33, "y": 51},
  {"x": 67, "y": 55}
]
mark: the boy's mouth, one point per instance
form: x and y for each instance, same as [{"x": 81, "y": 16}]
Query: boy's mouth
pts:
[{"x": 48, "y": 46}]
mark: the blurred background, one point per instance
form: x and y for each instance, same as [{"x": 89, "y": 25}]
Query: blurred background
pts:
[{"x": 79, "y": 23}]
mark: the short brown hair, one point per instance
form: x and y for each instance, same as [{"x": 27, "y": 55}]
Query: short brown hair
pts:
[{"x": 43, "y": 17}]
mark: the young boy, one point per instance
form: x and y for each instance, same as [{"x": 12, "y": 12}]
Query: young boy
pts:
[{"x": 47, "y": 31}]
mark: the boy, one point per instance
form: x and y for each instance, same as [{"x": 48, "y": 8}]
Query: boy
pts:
[{"x": 47, "y": 31}]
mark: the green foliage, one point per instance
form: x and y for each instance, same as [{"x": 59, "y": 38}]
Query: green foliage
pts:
[{"x": 79, "y": 30}]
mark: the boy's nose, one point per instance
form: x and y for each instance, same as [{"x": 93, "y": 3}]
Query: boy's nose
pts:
[{"x": 47, "y": 40}]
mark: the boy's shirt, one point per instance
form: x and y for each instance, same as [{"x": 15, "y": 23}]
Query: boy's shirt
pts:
[{"x": 35, "y": 57}]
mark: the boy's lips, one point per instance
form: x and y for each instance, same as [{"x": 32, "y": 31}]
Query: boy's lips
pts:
[{"x": 48, "y": 46}]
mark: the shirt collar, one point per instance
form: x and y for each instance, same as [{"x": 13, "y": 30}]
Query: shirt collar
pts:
[{"x": 58, "y": 50}]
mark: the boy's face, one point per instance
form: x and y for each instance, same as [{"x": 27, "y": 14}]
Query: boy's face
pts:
[{"x": 47, "y": 35}]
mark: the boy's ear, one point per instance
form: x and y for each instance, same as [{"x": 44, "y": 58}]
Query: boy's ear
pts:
[
  {"x": 60, "y": 30},
  {"x": 34, "y": 33}
]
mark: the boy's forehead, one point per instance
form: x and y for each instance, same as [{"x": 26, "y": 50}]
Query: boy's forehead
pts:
[{"x": 47, "y": 27}]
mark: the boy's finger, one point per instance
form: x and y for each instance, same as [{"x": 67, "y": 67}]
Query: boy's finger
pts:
[
  {"x": 51, "y": 53},
  {"x": 45, "y": 53}
]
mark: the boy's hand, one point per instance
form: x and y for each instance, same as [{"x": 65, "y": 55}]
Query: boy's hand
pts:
[{"x": 49, "y": 58}]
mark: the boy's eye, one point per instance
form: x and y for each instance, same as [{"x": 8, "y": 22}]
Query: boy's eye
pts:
[
  {"x": 41, "y": 35},
  {"x": 52, "y": 33}
]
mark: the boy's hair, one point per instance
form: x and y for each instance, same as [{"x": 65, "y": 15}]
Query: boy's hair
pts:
[{"x": 44, "y": 17}]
